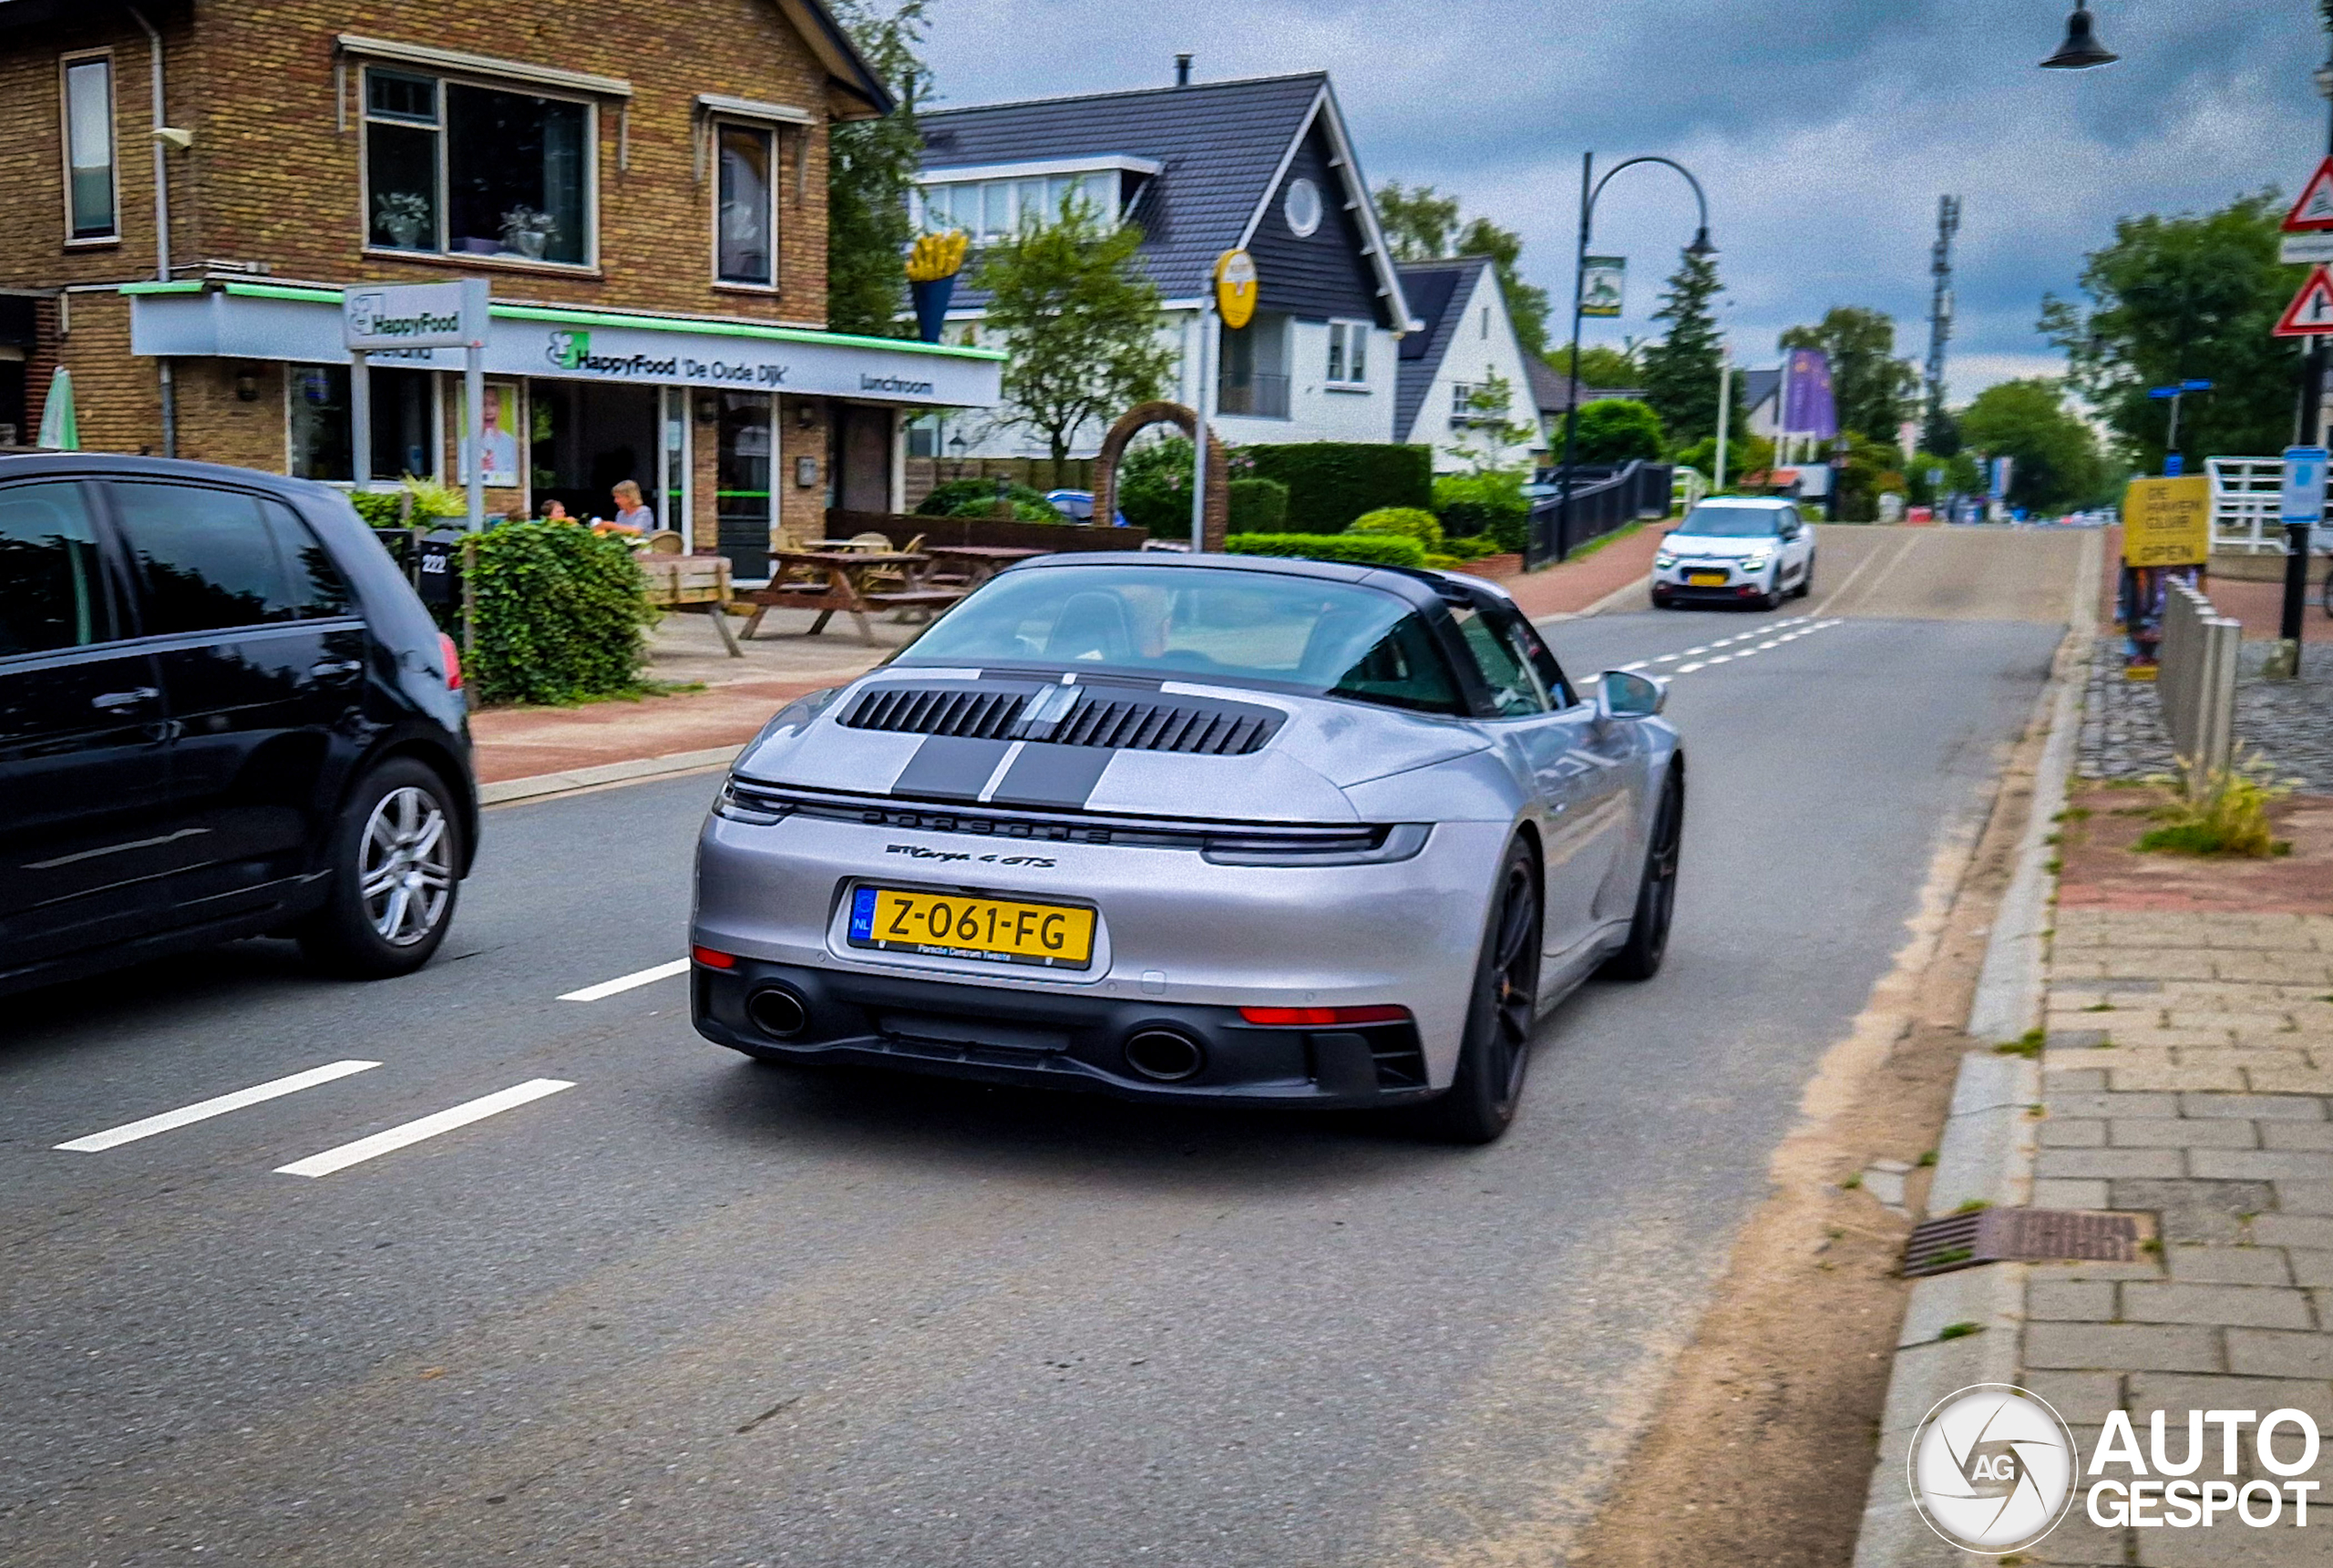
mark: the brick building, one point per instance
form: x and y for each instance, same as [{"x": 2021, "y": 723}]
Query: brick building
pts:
[{"x": 644, "y": 190}]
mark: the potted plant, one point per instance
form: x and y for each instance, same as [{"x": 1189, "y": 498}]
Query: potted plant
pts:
[
  {"x": 402, "y": 215},
  {"x": 527, "y": 232}
]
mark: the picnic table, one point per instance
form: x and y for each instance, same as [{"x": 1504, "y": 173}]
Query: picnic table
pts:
[
  {"x": 981, "y": 563},
  {"x": 692, "y": 582},
  {"x": 840, "y": 579}
]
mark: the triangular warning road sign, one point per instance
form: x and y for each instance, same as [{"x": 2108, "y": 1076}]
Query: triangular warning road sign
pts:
[
  {"x": 2311, "y": 312},
  {"x": 2314, "y": 210}
]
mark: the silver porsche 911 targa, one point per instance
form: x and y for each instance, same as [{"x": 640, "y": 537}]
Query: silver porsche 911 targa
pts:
[{"x": 1196, "y": 828}]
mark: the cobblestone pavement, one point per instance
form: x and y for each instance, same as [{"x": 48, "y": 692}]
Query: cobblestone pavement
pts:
[
  {"x": 2291, "y": 722},
  {"x": 2188, "y": 1072}
]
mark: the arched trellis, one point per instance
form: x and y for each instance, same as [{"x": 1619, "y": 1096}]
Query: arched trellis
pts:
[{"x": 1216, "y": 514}]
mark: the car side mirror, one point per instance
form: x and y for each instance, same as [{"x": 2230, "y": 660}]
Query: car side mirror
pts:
[{"x": 1624, "y": 694}]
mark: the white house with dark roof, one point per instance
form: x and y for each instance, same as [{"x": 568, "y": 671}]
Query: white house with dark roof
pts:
[
  {"x": 1466, "y": 339},
  {"x": 1201, "y": 168}
]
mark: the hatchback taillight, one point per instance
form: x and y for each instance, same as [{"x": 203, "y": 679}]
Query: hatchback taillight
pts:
[{"x": 453, "y": 661}]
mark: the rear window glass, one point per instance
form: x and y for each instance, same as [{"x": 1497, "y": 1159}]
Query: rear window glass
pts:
[
  {"x": 52, "y": 590},
  {"x": 1733, "y": 522},
  {"x": 207, "y": 560},
  {"x": 1194, "y": 623}
]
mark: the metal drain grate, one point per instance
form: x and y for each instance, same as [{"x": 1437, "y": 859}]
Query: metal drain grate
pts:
[{"x": 2029, "y": 1235}]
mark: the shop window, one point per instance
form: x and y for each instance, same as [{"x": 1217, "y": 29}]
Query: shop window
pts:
[
  {"x": 90, "y": 187},
  {"x": 461, "y": 170},
  {"x": 747, "y": 219},
  {"x": 1348, "y": 354},
  {"x": 405, "y": 423}
]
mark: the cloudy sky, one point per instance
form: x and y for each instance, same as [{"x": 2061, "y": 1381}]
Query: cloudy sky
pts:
[{"x": 1824, "y": 129}]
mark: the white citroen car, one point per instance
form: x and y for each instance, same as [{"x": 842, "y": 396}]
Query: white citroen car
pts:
[{"x": 1736, "y": 550}]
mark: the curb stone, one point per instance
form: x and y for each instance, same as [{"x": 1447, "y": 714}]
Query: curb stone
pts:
[
  {"x": 1987, "y": 1151},
  {"x": 540, "y": 786}
]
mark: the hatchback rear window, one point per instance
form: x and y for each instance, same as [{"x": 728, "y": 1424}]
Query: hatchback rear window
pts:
[{"x": 1336, "y": 638}]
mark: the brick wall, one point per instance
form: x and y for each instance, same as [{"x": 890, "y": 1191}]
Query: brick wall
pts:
[{"x": 272, "y": 178}]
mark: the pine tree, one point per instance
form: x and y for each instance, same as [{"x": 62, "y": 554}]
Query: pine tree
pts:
[{"x": 1680, "y": 371}]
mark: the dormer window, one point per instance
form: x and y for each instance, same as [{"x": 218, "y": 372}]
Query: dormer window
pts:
[{"x": 993, "y": 202}]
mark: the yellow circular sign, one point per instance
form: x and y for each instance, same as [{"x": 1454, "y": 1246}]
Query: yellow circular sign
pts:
[{"x": 1234, "y": 287}]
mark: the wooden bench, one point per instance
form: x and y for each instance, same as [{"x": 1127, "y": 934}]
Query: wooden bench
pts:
[{"x": 692, "y": 582}]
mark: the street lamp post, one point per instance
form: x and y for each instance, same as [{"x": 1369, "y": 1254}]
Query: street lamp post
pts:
[
  {"x": 2312, "y": 431},
  {"x": 1591, "y": 190}
]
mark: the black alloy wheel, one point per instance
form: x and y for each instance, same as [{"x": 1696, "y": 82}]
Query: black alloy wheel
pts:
[
  {"x": 1640, "y": 957},
  {"x": 1496, "y": 1052}
]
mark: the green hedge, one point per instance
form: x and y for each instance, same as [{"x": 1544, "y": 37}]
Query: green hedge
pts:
[
  {"x": 1331, "y": 483},
  {"x": 1361, "y": 549},
  {"x": 1258, "y": 505},
  {"x": 561, "y": 612},
  {"x": 1488, "y": 506},
  {"x": 1404, "y": 522},
  {"x": 977, "y": 498}
]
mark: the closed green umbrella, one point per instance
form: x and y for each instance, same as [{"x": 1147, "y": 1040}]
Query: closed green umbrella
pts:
[{"x": 60, "y": 428}]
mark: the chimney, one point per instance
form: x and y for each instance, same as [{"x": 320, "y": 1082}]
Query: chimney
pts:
[{"x": 1182, "y": 70}]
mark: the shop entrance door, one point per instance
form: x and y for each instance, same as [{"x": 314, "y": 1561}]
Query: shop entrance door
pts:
[
  {"x": 587, "y": 438},
  {"x": 742, "y": 484},
  {"x": 861, "y": 459}
]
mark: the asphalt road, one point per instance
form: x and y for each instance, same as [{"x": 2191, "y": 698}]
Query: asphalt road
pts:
[{"x": 693, "y": 1311}]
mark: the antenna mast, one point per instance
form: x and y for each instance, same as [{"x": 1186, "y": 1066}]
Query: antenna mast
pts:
[{"x": 1947, "y": 224}]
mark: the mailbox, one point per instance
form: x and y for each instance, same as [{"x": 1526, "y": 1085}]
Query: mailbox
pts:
[{"x": 437, "y": 567}]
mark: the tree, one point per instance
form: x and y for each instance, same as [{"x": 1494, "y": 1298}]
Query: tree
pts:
[
  {"x": 1872, "y": 387},
  {"x": 1616, "y": 429},
  {"x": 1526, "y": 303},
  {"x": 1417, "y": 223},
  {"x": 1599, "y": 366},
  {"x": 2178, "y": 299},
  {"x": 2055, "y": 461},
  {"x": 1680, "y": 371},
  {"x": 870, "y": 169},
  {"x": 1421, "y": 224},
  {"x": 1079, "y": 323},
  {"x": 1491, "y": 428}
]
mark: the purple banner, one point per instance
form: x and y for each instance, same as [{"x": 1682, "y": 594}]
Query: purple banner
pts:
[{"x": 1807, "y": 408}]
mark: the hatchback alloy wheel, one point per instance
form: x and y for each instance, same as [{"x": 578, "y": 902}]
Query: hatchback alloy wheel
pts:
[{"x": 405, "y": 867}]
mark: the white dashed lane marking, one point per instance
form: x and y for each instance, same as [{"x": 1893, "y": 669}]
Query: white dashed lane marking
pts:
[
  {"x": 1800, "y": 625},
  {"x": 627, "y": 982},
  {"x": 430, "y": 1126},
  {"x": 202, "y": 1111}
]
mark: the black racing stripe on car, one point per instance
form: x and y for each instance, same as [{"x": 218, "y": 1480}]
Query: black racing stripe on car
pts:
[
  {"x": 1044, "y": 774},
  {"x": 949, "y": 767}
]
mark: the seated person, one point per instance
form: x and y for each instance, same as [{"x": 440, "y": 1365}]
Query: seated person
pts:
[
  {"x": 555, "y": 511},
  {"x": 634, "y": 515}
]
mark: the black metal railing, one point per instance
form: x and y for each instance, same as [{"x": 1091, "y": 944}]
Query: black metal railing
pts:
[{"x": 1604, "y": 496}]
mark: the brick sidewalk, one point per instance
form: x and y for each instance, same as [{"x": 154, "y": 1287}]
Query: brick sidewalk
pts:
[{"x": 1570, "y": 586}]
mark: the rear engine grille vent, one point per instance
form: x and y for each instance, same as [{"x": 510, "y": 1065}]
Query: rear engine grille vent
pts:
[
  {"x": 1134, "y": 725},
  {"x": 976, "y": 714}
]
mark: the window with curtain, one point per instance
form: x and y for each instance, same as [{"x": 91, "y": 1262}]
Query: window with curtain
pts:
[
  {"x": 456, "y": 170},
  {"x": 747, "y": 219},
  {"x": 89, "y": 148}
]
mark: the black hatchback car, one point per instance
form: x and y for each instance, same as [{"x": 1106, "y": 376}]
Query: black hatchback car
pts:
[{"x": 223, "y": 714}]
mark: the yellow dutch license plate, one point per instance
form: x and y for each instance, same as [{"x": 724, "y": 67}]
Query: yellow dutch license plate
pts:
[
  {"x": 950, "y": 926},
  {"x": 1705, "y": 578}
]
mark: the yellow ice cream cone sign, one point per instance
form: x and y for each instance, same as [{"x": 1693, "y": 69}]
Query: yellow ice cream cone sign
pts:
[{"x": 1234, "y": 287}]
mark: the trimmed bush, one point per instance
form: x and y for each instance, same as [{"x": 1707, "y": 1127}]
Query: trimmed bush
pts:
[
  {"x": 1331, "y": 483},
  {"x": 977, "y": 498},
  {"x": 561, "y": 612},
  {"x": 1361, "y": 549},
  {"x": 378, "y": 508},
  {"x": 1258, "y": 506},
  {"x": 1404, "y": 522},
  {"x": 1615, "y": 430},
  {"x": 1490, "y": 506}
]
